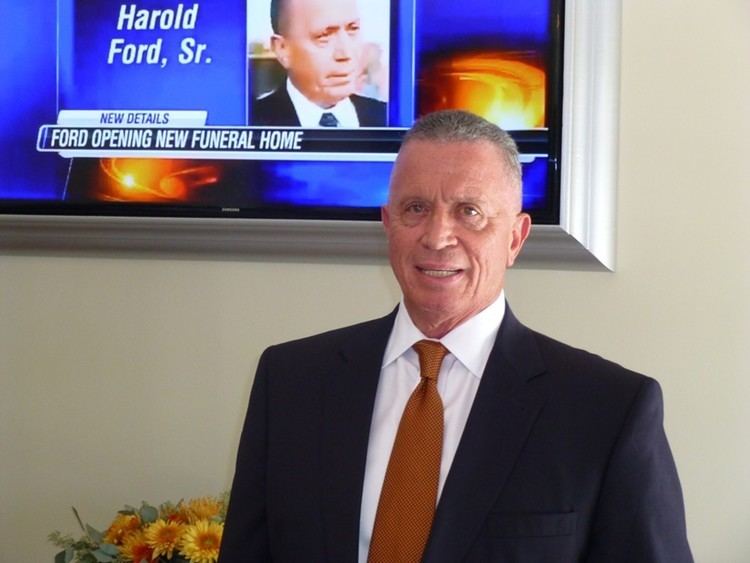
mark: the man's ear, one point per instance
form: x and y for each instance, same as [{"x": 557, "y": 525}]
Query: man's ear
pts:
[
  {"x": 280, "y": 49},
  {"x": 518, "y": 235}
]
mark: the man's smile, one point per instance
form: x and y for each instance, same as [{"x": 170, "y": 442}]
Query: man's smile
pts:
[{"x": 439, "y": 272}]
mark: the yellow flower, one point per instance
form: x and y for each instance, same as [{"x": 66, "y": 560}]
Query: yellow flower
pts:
[
  {"x": 203, "y": 508},
  {"x": 174, "y": 513},
  {"x": 201, "y": 542},
  {"x": 164, "y": 537},
  {"x": 122, "y": 526},
  {"x": 135, "y": 548}
]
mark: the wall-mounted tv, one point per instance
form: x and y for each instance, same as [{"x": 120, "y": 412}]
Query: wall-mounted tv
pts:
[{"x": 204, "y": 108}]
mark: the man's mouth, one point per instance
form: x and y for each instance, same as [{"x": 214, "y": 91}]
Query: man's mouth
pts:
[
  {"x": 340, "y": 76},
  {"x": 438, "y": 273}
]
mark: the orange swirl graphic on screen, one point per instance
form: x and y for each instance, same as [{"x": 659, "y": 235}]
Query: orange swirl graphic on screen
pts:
[
  {"x": 153, "y": 180},
  {"x": 503, "y": 90}
]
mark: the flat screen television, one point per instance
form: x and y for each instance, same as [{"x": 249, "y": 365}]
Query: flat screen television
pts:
[{"x": 149, "y": 108}]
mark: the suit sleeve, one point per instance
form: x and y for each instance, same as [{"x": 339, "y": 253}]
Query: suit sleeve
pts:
[
  {"x": 640, "y": 515},
  {"x": 245, "y": 535}
]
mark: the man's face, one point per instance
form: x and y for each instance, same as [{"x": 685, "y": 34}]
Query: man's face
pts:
[
  {"x": 320, "y": 47},
  {"x": 454, "y": 226}
]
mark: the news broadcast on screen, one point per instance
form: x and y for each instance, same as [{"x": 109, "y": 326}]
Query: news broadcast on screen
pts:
[{"x": 245, "y": 108}]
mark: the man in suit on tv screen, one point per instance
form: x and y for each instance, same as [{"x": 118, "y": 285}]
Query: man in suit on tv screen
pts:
[
  {"x": 447, "y": 430},
  {"x": 319, "y": 45}
]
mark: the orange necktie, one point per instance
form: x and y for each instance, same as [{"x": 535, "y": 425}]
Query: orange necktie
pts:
[{"x": 409, "y": 495}]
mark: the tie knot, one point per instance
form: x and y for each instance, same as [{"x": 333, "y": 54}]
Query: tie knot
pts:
[
  {"x": 328, "y": 120},
  {"x": 431, "y": 355}
]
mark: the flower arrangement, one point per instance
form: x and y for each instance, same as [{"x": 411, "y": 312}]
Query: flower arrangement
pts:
[{"x": 186, "y": 532}]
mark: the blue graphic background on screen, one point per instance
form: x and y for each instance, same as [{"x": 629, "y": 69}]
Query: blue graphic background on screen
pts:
[
  {"x": 87, "y": 81},
  {"x": 518, "y": 24},
  {"x": 401, "y": 102},
  {"x": 535, "y": 183},
  {"x": 311, "y": 184},
  {"x": 28, "y": 99},
  {"x": 327, "y": 184}
]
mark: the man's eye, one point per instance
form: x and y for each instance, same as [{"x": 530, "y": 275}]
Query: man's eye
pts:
[
  {"x": 323, "y": 36},
  {"x": 415, "y": 207},
  {"x": 469, "y": 211}
]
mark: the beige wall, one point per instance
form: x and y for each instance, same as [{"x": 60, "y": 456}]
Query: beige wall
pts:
[{"x": 124, "y": 379}]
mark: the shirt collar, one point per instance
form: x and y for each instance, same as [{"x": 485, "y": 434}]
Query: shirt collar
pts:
[
  {"x": 470, "y": 342},
  {"x": 309, "y": 113}
]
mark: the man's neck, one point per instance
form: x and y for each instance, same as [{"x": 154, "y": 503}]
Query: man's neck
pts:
[
  {"x": 309, "y": 113},
  {"x": 436, "y": 324}
]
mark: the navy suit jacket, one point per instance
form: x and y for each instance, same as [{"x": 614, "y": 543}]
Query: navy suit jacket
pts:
[
  {"x": 563, "y": 458},
  {"x": 277, "y": 109}
]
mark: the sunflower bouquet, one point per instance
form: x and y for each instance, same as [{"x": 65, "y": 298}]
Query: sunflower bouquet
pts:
[{"x": 186, "y": 532}]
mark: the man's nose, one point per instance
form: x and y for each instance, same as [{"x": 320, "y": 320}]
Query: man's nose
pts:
[
  {"x": 343, "y": 48},
  {"x": 439, "y": 231}
]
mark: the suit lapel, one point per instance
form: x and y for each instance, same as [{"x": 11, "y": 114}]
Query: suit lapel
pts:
[
  {"x": 348, "y": 399},
  {"x": 286, "y": 115},
  {"x": 501, "y": 417}
]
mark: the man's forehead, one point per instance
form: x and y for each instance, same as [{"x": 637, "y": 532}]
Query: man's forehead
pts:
[
  {"x": 466, "y": 170},
  {"x": 465, "y": 189},
  {"x": 317, "y": 13}
]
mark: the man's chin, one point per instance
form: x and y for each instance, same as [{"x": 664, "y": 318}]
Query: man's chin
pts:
[{"x": 333, "y": 96}]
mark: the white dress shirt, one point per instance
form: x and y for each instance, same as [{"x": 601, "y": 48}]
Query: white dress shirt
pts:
[
  {"x": 309, "y": 113},
  {"x": 469, "y": 346}
]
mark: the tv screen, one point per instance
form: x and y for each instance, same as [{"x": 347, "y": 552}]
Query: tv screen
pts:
[{"x": 222, "y": 108}]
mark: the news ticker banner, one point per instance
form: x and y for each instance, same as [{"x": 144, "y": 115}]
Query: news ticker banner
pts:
[{"x": 184, "y": 134}]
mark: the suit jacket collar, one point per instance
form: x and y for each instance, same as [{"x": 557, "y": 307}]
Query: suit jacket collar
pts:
[
  {"x": 503, "y": 413},
  {"x": 277, "y": 109},
  {"x": 349, "y": 397}
]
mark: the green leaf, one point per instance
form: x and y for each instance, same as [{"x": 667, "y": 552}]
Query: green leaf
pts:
[
  {"x": 148, "y": 513},
  {"x": 80, "y": 522},
  {"x": 102, "y": 557},
  {"x": 60, "y": 557},
  {"x": 69, "y": 555},
  {"x": 110, "y": 549},
  {"x": 94, "y": 534},
  {"x": 60, "y": 540}
]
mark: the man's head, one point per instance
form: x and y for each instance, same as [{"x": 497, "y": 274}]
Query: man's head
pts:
[
  {"x": 318, "y": 43},
  {"x": 453, "y": 217}
]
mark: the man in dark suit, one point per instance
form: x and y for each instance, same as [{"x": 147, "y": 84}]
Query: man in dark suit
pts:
[
  {"x": 318, "y": 44},
  {"x": 545, "y": 453}
]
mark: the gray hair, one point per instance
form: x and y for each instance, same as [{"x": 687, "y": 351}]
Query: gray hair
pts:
[{"x": 457, "y": 125}]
